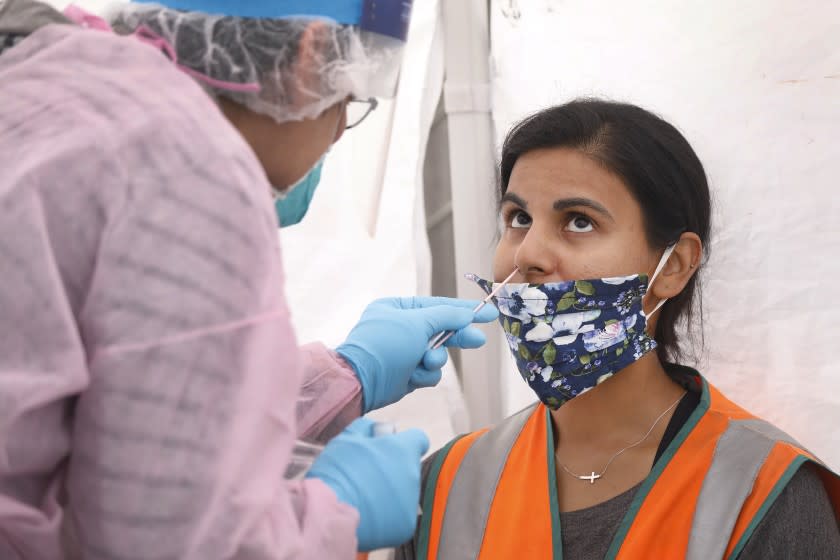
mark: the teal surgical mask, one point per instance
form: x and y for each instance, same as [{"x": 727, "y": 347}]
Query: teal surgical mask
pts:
[{"x": 292, "y": 204}]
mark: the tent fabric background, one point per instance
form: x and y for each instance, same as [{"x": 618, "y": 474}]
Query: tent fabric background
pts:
[{"x": 755, "y": 86}]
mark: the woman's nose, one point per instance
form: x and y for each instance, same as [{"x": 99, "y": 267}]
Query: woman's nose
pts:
[{"x": 533, "y": 257}]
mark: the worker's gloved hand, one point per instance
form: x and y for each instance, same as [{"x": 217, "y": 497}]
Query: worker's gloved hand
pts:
[
  {"x": 379, "y": 476},
  {"x": 389, "y": 347}
]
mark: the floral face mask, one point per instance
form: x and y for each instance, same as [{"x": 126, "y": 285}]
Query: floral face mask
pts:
[{"x": 567, "y": 337}]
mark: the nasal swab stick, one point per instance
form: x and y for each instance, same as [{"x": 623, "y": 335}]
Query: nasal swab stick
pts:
[{"x": 441, "y": 339}]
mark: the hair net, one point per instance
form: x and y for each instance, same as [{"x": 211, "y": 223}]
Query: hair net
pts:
[{"x": 290, "y": 67}]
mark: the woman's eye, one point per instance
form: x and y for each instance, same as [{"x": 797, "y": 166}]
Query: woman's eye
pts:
[
  {"x": 580, "y": 224},
  {"x": 519, "y": 219}
]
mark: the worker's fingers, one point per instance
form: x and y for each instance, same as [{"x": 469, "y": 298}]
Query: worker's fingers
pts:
[
  {"x": 435, "y": 359},
  {"x": 424, "y": 378},
  {"x": 413, "y": 440},
  {"x": 361, "y": 426},
  {"x": 470, "y": 337},
  {"x": 486, "y": 314}
]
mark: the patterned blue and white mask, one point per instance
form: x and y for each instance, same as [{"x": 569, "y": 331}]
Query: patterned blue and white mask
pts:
[{"x": 567, "y": 337}]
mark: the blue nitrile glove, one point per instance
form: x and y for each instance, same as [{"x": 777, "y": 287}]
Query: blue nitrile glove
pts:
[
  {"x": 389, "y": 347},
  {"x": 379, "y": 476}
]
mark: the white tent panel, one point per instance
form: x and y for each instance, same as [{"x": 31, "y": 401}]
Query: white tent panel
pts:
[{"x": 755, "y": 86}]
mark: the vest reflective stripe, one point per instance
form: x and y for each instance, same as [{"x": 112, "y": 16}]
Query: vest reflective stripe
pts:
[
  {"x": 527, "y": 491},
  {"x": 474, "y": 489},
  {"x": 772, "y": 479},
  {"x": 740, "y": 453},
  {"x": 449, "y": 468}
]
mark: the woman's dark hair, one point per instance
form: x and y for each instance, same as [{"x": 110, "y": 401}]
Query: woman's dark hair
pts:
[{"x": 656, "y": 163}]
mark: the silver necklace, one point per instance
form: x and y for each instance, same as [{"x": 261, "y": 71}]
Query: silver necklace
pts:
[{"x": 593, "y": 476}]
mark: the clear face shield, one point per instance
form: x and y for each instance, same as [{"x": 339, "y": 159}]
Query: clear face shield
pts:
[
  {"x": 383, "y": 28},
  {"x": 289, "y": 59}
]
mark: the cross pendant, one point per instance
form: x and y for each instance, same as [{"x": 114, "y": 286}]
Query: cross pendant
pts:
[{"x": 591, "y": 478}]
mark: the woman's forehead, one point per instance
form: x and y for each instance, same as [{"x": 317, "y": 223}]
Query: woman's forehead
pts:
[{"x": 547, "y": 175}]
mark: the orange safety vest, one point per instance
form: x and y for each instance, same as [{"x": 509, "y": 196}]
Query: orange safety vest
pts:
[{"x": 492, "y": 494}]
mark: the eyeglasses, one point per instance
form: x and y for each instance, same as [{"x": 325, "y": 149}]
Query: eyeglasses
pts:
[{"x": 358, "y": 110}]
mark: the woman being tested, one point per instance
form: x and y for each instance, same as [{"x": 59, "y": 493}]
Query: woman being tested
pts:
[
  {"x": 151, "y": 388},
  {"x": 605, "y": 211}
]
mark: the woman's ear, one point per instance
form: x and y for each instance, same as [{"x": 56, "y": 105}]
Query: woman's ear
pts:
[{"x": 681, "y": 266}]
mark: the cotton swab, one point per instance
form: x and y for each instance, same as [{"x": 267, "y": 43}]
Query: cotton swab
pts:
[{"x": 441, "y": 339}]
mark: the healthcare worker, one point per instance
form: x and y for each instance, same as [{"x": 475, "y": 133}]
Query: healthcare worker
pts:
[{"x": 151, "y": 388}]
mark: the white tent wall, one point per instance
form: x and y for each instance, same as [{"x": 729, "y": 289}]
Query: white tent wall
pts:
[{"x": 755, "y": 86}]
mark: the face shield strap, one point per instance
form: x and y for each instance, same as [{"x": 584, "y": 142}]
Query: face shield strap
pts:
[{"x": 385, "y": 17}]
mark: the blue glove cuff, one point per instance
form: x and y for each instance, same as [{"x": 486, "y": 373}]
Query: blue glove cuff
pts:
[
  {"x": 344, "y": 496},
  {"x": 360, "y": 360}
]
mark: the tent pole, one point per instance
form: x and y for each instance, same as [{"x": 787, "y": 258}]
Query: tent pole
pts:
[{"x": 467, "y": 104}]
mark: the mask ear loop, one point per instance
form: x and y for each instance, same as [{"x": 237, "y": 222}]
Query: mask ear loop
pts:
[{"x": 662, "y": 262}]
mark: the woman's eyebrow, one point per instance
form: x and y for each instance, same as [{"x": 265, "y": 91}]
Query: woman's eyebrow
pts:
[
  {"x": 566, "y": 203},
  {"x": 516, "y": 199}
]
